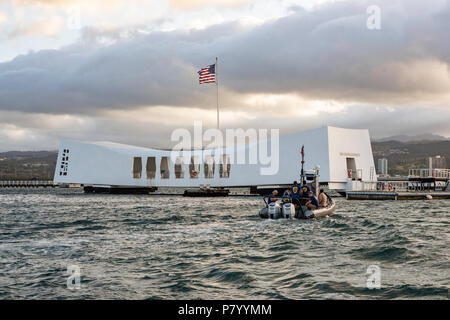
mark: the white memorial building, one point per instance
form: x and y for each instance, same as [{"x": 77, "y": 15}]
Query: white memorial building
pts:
[{"x": 344, "y": 156}]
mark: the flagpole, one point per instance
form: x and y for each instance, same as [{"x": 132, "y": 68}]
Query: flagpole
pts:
[{"x": 217, "y": 87}]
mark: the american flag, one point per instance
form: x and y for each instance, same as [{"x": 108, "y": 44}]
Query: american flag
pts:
[{"x": 207, "y": 74}]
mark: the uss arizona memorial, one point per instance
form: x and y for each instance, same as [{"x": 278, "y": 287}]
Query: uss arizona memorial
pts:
[{"x": 344, "y": 156}]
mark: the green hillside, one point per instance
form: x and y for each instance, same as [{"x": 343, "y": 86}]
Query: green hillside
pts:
[
  {"x": 408, "y": 155},
  {"x": 36, "y": 165}
]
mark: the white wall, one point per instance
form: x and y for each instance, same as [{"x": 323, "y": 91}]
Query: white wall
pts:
[
  {"x": 111, "y": 164},
  {"x": 350, "y": 143}
]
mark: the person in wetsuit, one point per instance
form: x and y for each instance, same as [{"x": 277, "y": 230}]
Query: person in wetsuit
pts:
[
  {"x": 272, "y": 197},
  {"x": 304, "y": 191},
  {"x": 312, "y": 203},
  {"x": 295, "y": 193},
  {"x": 286, "y": 198}
]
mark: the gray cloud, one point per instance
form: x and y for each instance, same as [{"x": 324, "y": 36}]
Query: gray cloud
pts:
[
  {"x": 391, "y": 81},
  {"x": 327, "y": 53}
]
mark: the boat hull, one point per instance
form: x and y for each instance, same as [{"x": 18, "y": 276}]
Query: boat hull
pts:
[{"x": 325, "y": 212}]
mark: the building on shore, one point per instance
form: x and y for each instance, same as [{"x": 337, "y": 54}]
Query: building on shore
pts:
[
  {"x": 383, "y": 166},
  {"x": 436, "y": 162}
]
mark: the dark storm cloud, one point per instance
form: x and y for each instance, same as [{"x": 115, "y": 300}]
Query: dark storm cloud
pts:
[{"x": 324, "y": 54}]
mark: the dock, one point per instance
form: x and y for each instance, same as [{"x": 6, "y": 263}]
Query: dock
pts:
[
  {"x": 374, "y": 195},
  {"x": 420, "y": 184},
  {"x": 118, "y": 190},
  {"x": 27, "y": 184},
  {"x": 206, "y": 192}
]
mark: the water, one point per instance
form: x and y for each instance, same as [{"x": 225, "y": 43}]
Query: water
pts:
[{"x": 164, "y": 247}]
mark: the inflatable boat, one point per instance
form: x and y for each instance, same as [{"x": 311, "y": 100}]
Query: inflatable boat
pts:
[{"x": 277, "y": 210}]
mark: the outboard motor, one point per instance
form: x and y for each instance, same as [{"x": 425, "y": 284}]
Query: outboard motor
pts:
[
  {"x": 274, "y": 210},
  {"x": 288, "y": 210}
]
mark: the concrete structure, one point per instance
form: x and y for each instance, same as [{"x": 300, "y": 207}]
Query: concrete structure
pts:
[
  {"x": 383, "y": 166},
  {"x": 344, "y": 156},
  {"x": 437, "y": 162},
  {"x": 426, "y": 195},
  {"x": 27, "y": 184}
]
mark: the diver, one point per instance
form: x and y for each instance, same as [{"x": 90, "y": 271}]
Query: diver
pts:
[
  {"x": 312, "y": 203},
  {"x": 305, "y": 190},
  {"x": 295, "y": 193},
  {"x": 286, "y": 198},
  {"x": 272, "y": 197}
]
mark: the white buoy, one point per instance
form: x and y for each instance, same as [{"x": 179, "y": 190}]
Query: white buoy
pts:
[{"x": 429, "y": 197}]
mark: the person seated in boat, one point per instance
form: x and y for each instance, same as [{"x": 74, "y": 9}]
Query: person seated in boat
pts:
[
  {"x": 323, "y": 201},
  {"x": 295, "y": 193},
  {"x": 312, "y": 202},
  {"x": 272, "y": 197},
  {"x": 304, "y": 191},
  {"x": 286, "y": 198}
]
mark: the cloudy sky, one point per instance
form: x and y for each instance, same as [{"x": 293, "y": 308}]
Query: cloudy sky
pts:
[{"x": 125, "y": 71}]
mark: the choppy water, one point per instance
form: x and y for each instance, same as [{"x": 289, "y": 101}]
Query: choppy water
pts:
[{"x": 161, "y": 247}]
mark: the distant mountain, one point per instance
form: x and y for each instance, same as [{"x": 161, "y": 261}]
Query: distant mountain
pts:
[
  {"x": 403, "y": 156},
  {"x": 28, "y": 154},
  {"x": 26, "y": 165},
  {"x": 407, "y": 138}
]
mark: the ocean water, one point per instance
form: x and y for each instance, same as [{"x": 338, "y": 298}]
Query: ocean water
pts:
[{"x": 170, "y": 247}]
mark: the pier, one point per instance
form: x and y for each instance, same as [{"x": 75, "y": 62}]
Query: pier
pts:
[
  {"x": 206, "y": 192},
  {"x": 412, "y": 195},
  {"x": 420, "y": 184},
  {"x": 27, "y": 184}
]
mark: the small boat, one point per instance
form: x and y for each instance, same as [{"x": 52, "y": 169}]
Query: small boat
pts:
[{"x": 276, "y": 210}]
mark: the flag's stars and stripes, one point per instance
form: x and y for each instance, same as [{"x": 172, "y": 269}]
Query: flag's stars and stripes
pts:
[{"x": 207, "y": 74}]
